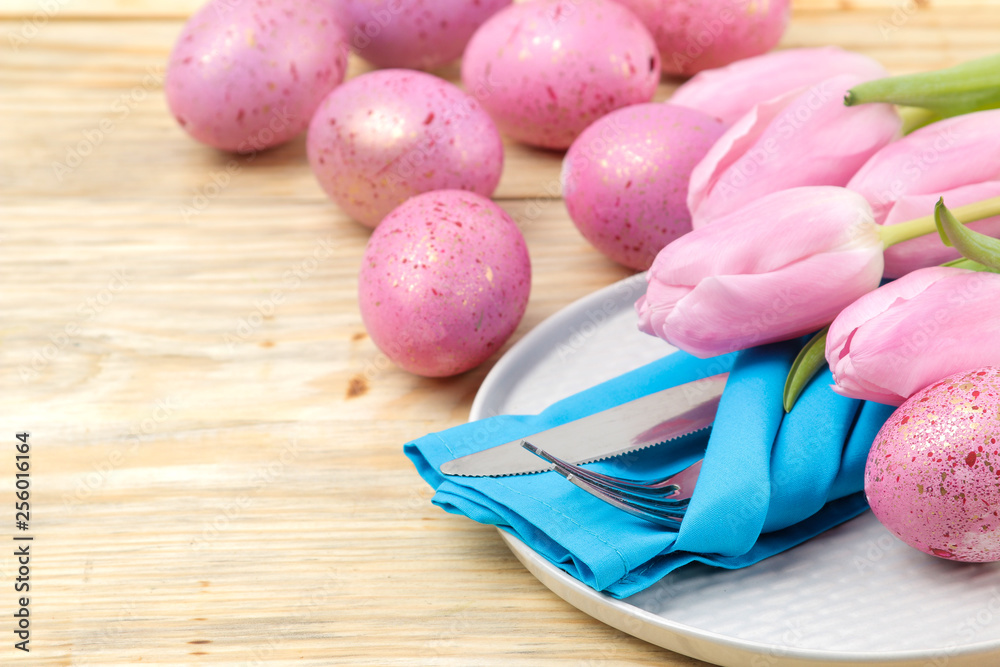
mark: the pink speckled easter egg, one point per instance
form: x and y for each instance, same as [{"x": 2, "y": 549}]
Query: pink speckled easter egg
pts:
[
  {"x": 388, "y": 135},
  {"x": 933, "y": 473},
  {"x": 421, "y": 34},
  {"x": 693, "y": 35},
  {"x": 248, "y": 75},
  {"x": 546, "y": 69},
  {"x": 444, "y": 282},
  {"x": 625, "y": 179}
]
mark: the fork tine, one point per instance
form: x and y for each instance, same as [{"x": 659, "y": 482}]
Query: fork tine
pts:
[
  {"x": 659, "y": 491},
  {"x": 652, "y": 501},
  {"x": 656, "y": 510},
  {"x": 669, "y": 520},
  {"x": 660, "y": 487},
  {"x": 653, "y": 504}
]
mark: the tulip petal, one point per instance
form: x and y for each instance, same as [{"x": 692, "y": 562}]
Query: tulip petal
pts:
[
  {"x": 850, "y": 388},
  {"x": 732, "y": 312},
  {"x": 812, "y": 140},
  {"x": 908, "y": 348},
  {"x": 874, "y": 304},
  {"x": 928, "y": 250},
  {"x": 782, "y": 266},
  {"x": 730, "y": 92},
  {"x": 767, "y": 234},
  {"x": 654, "y": 306},
  {"x": 937, "y": 158},
  {"x": 942, "y": 321},
  {"x": 735, "y": 142}
]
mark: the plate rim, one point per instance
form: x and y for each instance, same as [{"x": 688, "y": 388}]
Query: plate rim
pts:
[{"x": 701, "y": 644}]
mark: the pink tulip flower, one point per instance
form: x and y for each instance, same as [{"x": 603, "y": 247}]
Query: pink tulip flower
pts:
[
  {"x": 898, "y": 339},
  {"x": 781, "y": 267},
  {"x": 806, "y": 137},
  {"x": 729, "y": 92},
  {"x": 957, "y": 158}
]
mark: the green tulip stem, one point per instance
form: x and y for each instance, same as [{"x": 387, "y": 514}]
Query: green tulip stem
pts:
[
  {"x": 911, "y": 229},
  {"x": 964, "y": 88},
  {"x": 915, "y": 118}
]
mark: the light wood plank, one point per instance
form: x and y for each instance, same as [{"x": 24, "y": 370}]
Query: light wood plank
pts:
[
  {"x": 182, "y": 476},
  {"x": 268, "y": 288}
]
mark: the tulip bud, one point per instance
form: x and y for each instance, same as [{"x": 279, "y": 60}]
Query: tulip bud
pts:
[
  {"x": 957, "y": 158},
  {"x": 807, "y": 137},
  {"x": 730, "y": 92},
  {"x": 778, "y": 268},
  {"x": 911, "y": 332}
]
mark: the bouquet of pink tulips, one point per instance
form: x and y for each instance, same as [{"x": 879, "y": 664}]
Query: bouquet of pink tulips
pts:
[{"x": 814, "y": 195}]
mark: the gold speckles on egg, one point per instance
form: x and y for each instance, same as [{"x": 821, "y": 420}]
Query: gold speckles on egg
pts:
[{"x": 954, "y": 445}]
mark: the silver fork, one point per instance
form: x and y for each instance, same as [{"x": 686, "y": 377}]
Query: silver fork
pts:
[{"x": 661, "y": 501}]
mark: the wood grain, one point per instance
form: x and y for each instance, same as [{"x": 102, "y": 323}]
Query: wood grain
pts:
[{"x": 218, "y": 474}]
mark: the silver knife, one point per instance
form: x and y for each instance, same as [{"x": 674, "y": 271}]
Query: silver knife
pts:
[{"x": 650, "y": 420}]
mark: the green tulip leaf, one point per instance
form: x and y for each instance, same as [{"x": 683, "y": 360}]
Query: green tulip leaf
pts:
[
  {"x": 973, "y": 245},
  {"x": 969, "y": 265},
  {"x": 970, "y": 86},
  {"x": 939, "y": 223},
  {"x": 809, "y": 360}
]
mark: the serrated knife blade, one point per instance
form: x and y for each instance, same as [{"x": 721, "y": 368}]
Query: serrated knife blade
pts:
[{"x": 646, "y": 421}]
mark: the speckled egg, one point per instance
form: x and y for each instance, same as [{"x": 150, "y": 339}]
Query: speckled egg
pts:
[
  {"x": 420, "y": 34},
  {"x": 248, "y": 75},
  {"x": 693, "y": 35},
  {"x": 625, "y": 179},
  {"x": 933, "y": 473},
  {"x": 444, "y": 282},
  {"x": 546, "y": 69},
  {"x": 388, "y": 135}
]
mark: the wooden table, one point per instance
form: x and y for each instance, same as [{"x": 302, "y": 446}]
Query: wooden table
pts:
[{"x": 217, "y": 472}]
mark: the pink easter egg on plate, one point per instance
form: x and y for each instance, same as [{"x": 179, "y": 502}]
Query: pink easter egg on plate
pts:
[{"x": 933, "y": 472}]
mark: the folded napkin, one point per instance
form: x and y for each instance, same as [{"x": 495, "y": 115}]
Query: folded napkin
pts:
[{"x": 769, "y": 480}]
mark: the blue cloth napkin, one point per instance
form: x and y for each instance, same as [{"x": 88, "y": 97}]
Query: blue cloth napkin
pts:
[{"x": 769, "y": 480}]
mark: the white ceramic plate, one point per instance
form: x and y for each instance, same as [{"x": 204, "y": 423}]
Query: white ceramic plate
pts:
[{"x": 852, "y": 596}]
